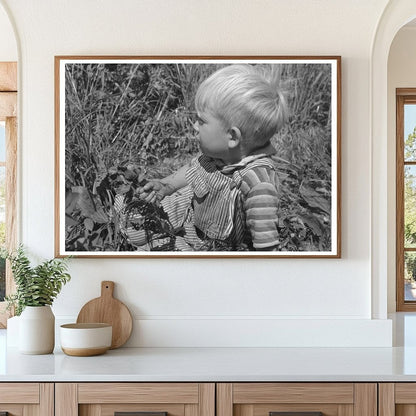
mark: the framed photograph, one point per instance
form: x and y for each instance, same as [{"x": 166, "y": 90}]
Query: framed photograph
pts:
[{"x": 198, "y": 156}]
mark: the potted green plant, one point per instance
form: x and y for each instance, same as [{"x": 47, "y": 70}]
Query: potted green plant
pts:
[{"x": 36, "y": 289}]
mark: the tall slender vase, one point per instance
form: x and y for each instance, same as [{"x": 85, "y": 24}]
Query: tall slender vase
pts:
[{"x": 37, "y": 330}]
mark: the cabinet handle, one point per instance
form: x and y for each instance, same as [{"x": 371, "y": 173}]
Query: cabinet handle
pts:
[
  {"x": 295, "y": 413},
  {"x": 138, "y": 414}
]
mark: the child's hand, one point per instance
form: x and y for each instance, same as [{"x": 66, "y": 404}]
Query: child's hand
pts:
[{"x": 154, "y": 191}]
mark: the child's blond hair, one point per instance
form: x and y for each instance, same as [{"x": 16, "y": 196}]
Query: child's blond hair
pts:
[{"x": 245, "y": 96}]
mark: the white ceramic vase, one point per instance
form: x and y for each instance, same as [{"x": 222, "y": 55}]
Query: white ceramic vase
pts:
[{"x": 37, "y": 330}]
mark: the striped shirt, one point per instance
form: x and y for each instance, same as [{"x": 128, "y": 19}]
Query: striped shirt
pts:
[
  {"x": 214, "y": 198},
  {"x": 237, "y": 203},
  {"x": 259, "y": 190}
]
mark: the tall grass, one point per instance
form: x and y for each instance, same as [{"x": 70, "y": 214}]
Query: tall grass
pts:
[{"x": 121, "y": 114}]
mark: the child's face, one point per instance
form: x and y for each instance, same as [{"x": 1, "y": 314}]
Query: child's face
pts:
[{"x": 213, "y": 136}]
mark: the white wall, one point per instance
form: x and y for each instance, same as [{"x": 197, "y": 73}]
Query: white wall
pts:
[
  {"x": 203, "y": 302},
  {"x": 8, "y": 46},
  {"x": 401, "y": 74}
]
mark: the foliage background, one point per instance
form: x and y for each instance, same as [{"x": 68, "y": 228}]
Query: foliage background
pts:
[
  {"x": 410, "y": 206},
  {"x": 125, "y": 123}
]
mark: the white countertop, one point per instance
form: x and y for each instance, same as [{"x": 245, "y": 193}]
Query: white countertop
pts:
[
  {"x": 221, "y": 364},
  {"x": 215, "y": 364}
]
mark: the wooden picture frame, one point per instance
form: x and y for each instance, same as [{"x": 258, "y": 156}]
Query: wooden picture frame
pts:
[
  {"x": 405, "y": 251},
  {"x": 122, "y": 122}
]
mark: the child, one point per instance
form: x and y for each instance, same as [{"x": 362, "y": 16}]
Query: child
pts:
[{"x": 228, "y": 196}]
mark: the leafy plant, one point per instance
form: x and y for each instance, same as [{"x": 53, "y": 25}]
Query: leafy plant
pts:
[{"x": 35, "y": 285}]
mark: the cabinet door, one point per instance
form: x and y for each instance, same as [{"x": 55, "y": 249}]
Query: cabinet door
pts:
[
  {"x": 397, "y": 399},
  {"x": 26, "y": 399},
  {"x": 297, "y": 399},
  {"x": 142, "y": 399}
]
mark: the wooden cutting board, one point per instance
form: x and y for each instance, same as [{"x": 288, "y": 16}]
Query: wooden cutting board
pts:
[{"x": 111, "y": 311}]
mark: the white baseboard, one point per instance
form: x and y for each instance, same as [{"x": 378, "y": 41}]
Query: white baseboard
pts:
[{"x": 255, "y": 332}]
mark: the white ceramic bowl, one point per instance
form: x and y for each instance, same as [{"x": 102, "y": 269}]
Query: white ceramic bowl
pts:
[{"x": 85, "y": 339}]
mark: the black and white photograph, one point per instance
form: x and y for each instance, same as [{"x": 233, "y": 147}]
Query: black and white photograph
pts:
[{"x": 197, "y": 156}]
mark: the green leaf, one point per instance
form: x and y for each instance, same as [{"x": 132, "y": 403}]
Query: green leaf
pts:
[{"x": 35, "y": 286}]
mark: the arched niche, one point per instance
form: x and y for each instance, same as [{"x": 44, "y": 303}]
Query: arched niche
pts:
[{"x": 397, "y": 14}]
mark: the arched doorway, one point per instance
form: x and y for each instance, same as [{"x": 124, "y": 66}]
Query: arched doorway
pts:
[{"x": 396, "y": 15}]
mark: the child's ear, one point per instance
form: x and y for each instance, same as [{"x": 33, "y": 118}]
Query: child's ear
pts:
[{"x": 235, "y": 137}]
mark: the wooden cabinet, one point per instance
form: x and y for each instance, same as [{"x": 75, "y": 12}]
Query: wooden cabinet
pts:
[
  {"x": 221, "y": 399},
  {"x": 208, "y": 399},
  {"x": 397, "y": 399},
  {"x": 107, "y": 399},
  {"x": 27, "y": 399},
  {"x": 331, "y": 399}
]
